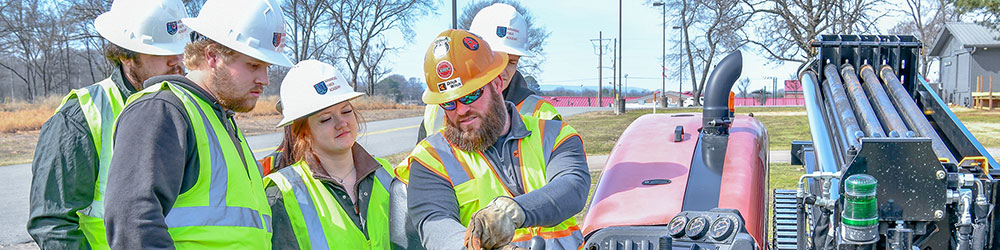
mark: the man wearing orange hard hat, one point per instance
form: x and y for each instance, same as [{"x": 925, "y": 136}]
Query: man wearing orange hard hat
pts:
[{"x": 491, "y": 178}]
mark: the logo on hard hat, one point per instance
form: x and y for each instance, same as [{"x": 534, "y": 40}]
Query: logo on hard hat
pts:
[
  {"x": 445, "y": 70},
  {"x": 320, "y": 88},
  {"x": 276, "y": 39},
  {"x": 470, "y": 43},
  {"x": 441, "y": 46},
  {"x": 501, "y": 31},
  {"x": 449, "y": 85},
  {"x": 172, "y": 28}
]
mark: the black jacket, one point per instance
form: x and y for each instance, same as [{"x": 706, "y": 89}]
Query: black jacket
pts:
[
  {"x": 155, "y": 160},
  {"x": 63, "y": 175}
]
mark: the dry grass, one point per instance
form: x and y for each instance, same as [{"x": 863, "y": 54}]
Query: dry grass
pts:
[{"x": 27, "y": 116}]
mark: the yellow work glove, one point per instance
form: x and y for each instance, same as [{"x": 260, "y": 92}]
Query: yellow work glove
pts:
[{"x": 493, "y": 226}]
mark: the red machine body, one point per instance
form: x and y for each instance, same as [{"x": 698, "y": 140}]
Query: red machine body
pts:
[{"x": 647, "y": 151}]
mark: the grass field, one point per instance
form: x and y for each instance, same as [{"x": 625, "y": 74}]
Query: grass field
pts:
[{"x": 600, "y": 130}]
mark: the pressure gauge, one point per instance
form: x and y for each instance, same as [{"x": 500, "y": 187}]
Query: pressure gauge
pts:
[
  {"x": 721, "y": 228},
  {"x": 697, "y": 227},
  {"x": 676, "y": 226}
]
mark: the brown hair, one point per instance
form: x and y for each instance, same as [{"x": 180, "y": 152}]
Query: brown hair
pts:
[
  {"x": 297, "y": 142},
  {"x": 194, "y": 52},
  {"x": 116, "y": 54}
]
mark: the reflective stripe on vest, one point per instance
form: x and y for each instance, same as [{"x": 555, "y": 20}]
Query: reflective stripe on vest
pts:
[
  {"x": 101, "y": 103},
  {"x": 476, "y": 182},
  {"x": 433, "y": 119},
  {"x": 537, "y": 107},
  {"x": 318, "y": 220},
  {"x": 226, "y": 207}
]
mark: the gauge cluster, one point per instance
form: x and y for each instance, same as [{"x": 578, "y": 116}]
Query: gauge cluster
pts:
[{"x": 715, "y": 229}]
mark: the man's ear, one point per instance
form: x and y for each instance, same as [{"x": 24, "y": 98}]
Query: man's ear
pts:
[
  {"x": 211, "y": 58},
  {"x": 497, "y": 84}
]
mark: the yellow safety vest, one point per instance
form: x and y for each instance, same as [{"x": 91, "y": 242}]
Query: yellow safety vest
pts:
[
  {"x": 476, "y": 183},
  {"x": 226, "y": 207},
  {"x": 532, "y": 106},
  {"x": 101, "y": 103},
  {"x": 318, "y": 220}
]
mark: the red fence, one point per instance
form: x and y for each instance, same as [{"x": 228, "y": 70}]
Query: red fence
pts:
[{"x": 580, "y": 101}]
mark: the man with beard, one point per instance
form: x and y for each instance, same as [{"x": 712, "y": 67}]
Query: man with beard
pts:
[
  {"x": 492, "y": 176},
  {"x": 182, "y": 175},
  {"x": 506, "y": 31},
  {"x": 70, "y": 163}
]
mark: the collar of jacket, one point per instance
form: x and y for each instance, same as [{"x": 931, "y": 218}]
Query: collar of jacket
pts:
[
  {"x": 517, "y": 90},
  {"x": 364, "y": 164},
  {"x": 195, "y": 89},
  {"x": 517, "y": 128},
  {"x": 118, "y": 77}
]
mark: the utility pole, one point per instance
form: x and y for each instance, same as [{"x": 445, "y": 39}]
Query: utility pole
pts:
[
  {"x": 663, "y": 48},
  {"x": 600, "y": 66},
  {"x": 620, "y": 103},
  {"x": 680, "y": 68}
]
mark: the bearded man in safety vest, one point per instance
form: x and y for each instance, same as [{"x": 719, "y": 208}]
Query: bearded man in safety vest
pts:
[
  {"x": 506, "y": 31},
  {"x": 182, "y": 175},
  {"x": 145, "y": 38},
  {"x": 491, "y": 176}
]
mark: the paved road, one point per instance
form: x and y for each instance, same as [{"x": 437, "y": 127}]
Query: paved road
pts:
[{"x": 380, "y": 138}]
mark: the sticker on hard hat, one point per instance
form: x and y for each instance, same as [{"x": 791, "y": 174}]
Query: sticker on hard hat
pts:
[
  {"x": 276, "y": 39},
  {"x": 441, "y": 46},
  {"x": 172, "y": 28},
  {"x": 470, "y": 43},
  {"x": 326, "y": 86},
  {"x": 445, "y": 70},
  {"x": 501, "y": 31},
  {"x": 449, "y": 85}
]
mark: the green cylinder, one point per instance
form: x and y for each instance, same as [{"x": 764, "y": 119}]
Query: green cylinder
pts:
[{"x": 860, "y": 204}]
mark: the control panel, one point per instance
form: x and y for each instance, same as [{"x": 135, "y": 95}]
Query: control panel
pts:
[{"x": 721, "y": 229}]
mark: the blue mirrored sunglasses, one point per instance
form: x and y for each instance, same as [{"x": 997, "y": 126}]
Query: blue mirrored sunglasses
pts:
[{"x": 467, "y": 99}]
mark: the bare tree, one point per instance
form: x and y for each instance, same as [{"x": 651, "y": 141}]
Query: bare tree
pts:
[
  {"x": 926, "y": 20},
  {"x": 742, "y": 85},
  {"x": 312, "y": 34},
  {"x": 785, "y": 28},
  {"x": 720, "y": 26},
  {"x": 364, "y": 24},
  {"x": 536, "y": 36}
]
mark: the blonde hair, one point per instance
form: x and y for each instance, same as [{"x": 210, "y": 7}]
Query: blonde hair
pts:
[{"x": 194, "y": 52}]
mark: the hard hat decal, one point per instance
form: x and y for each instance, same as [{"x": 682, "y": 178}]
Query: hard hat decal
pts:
[
  {"x": 172, "y": 28},
  {"x": 441, "y": 46},
  {"x": 445, "y": 70},
  {"x": 320, "y": 88},
  {"x": 276, "y": 40},
  {"x": 449, "y": 85},
  {"x": 470, "y": 43},
  {"x": 501, "y": 31}
]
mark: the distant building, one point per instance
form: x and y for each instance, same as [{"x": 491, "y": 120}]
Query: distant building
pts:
[
  {"x": 967, "y": 51},
  {"x": 793, "y": 89}
]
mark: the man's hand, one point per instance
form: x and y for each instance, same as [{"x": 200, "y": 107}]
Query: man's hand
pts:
[{"x": 493, "y": 226}]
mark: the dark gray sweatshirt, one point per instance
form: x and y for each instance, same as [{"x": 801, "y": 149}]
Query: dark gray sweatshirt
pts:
[
  {"x": 155, "y": 160},
  {"x": 434, "y": 207}
]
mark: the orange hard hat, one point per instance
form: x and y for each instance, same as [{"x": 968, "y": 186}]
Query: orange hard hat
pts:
[{"x": 458, "y": 63}]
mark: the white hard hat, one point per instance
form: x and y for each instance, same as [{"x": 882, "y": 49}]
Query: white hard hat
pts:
[
  {"x": 255, "y": 28},
  {"x": 503, "y": 28},
  {"x": 151, "y": 27},
  {"x": 311, "y": 86}
]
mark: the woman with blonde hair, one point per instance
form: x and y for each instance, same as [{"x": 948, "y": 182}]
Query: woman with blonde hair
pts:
[{"x": 334, "y": 195}]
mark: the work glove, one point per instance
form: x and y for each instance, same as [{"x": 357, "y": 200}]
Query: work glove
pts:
[
  {"x": 512, "y": 247},
  {"x": 493, "y": 226}
]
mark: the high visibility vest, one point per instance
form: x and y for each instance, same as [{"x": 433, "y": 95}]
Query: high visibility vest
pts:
[
  {"x": 101, "y": 103},
  {"x": 476, "y": 183},
  {"x": 226, "y": 207},
  {"x": 270, "y": 162},
  {"x": 318, "y": 220},
  {"x": 532, "y": 106}
]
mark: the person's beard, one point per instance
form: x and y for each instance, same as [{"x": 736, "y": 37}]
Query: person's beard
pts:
[
  {"x": 227, "y": 94},
  {"x": 490, "y": 126},
  {"x": 140, "y": 74}
]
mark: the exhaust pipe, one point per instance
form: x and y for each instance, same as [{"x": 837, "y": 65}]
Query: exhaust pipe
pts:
[{"x": 716, "y": 117}]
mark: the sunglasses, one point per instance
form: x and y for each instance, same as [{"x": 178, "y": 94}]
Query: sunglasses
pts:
[{"x": 468, "y": 99}]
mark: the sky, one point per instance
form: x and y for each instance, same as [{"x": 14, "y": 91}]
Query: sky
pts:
[{"x": 571, "y": 58}]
